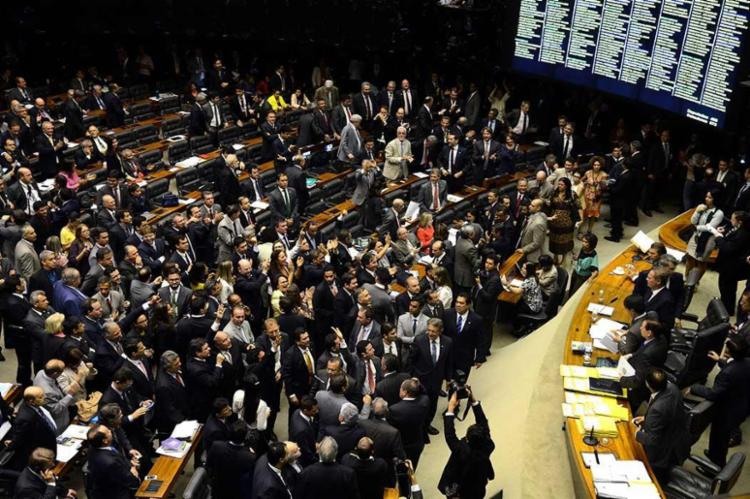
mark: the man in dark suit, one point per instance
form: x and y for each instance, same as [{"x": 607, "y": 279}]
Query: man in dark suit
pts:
[
  {"x": 50, "y": 148},
  {"x": 391, "y": 219},
  {"x": 33, "y": 427},
  {"x": 424, "y": 120},
  {"x": 230, "y": 464},
  {"x": 176, "y": 294},
  {"x": 297, "y": 179},
  {"x": 241, "y": 108},
  {"x": 303, "y": 429},
  {"x": 322, "y": 124},
  {"x": 408, "y": 99},
  {"x": 433, "y": 194},
  {"x": 659, "y": 298},
  {"x": 652, "y": 353},
  {"x": 623, "y": 182},
  {"x": 283, "y": 201},
  {"x": 20, "y": 92},
  {"x": 202, "y": 378},
  {"x": 298, "y": 368},
  {"x": 269, "y": 129},
  {"x": 218, "y": 423},
  {"x": 227, "y": 181},
  {"x": 567, "y": 145},
  {"x": 44, "y": 278},
  {"x": 431, "y": 361},
  {"x": 663, "y": 430},
  {"x": 454, "y": 163},
  {"x": 233, "y": 368},
  {"x": 133, "y": 408},
  {"x": 364, "y": 104},
  {"x": 409, "y": 416},
  {"x": 386, "y": 439},
  {"x": 139, "y": 366},
  {"x": 346, "y": 432},
  {"x": 73, "y": 115},
  {"x": 218, "y": 78},
  {"x": 152, "y": 250},
  {"x": 729, "y": 394},
  {"x": 113, "y": 107},
  {"x": 389, "y": 387},
  {"x": 323, "y": 302},
  {"x": 657, "y": 170},
  {"x": 464, "y": 327},
  {"x": 485, "y": 155},
  {"x": 110, "y": 473},
  {"x": 371, "y": 471},
  {"x": 742, "y": 200},
  {"x": 197, "y": 124},
  {"x": 173, "y": 405},
  {"x": 267, "y": 479},
  {"x": 37, "y": 479},
  {"x": 485, "y": 292}
]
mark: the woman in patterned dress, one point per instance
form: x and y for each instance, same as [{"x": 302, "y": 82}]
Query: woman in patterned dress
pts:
[
  {"x": 565, "y": 211},
  {"x": 594, "y": 183}
]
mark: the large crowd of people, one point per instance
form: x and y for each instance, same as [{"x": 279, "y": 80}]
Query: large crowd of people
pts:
[{"x": 215, "y": 316}]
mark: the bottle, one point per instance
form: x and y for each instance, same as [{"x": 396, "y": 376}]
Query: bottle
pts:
[
  {"x": 601, "y": 296},
  {"x": 157, "y": 93}
]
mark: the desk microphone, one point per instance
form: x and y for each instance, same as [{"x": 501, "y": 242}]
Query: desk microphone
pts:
[
  {"x": 590, "y": 439},
  {"x": 614, "y": 299}
]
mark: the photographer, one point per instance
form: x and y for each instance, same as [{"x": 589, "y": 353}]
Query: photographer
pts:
[{"x": 469, "y": 467}]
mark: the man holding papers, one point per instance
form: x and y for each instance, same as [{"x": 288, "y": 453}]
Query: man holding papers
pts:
[
  {"x": 652, "y": 353},
  {"x": 663, "y": 430}
]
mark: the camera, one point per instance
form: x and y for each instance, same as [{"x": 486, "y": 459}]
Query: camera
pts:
[{"x": 458, "y": 385}]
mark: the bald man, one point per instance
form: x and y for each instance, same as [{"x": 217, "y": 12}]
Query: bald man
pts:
[
  {"x": 391, "y": 220},
  {"x": 56, "y": 401},
  {"x": 25, "y": 192},
  {"x": 372, "y": 472},
  {"x": 533, "y": 236},
  {"x": 33, "y": 427},
  {"x": 233, "y": 367}
]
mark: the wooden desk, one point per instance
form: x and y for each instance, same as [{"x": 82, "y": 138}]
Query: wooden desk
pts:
[
  {"x": 156, "y": 121},
  {"x": 162, "y": 212},
  {"x": 509, "y": 269},
  {"x": 13, "y": 395},
  {"x": 168, "y": 469},
  {"x": 670, "y": 233},
  {"x": 615, "y": 289}
]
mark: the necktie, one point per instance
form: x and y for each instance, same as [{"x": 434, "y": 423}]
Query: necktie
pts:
[
  {"x": 434, "y": 351},
  {"x": 178, "y": 376},
  {"x": 29, "y": 201},
  {"x": 118, "y": 348},
  {"x": 174, "y": 298},
  {"x": 188, "y": 259},
  {"x": 100, "y": 102},
  {"x": 435, "y": 197},
  {"x": 525, "y": 121},
  {"x": 368, "y": 110},
  {"x": 459, "y": 324},
  {"x": 492, "y": 125},
  {"x": 565, "y": 149},
  {"x": 49, "y": 422},
  {"x": 308, "y": 362},
  {"x": 362, "y": 334},
  {"x": 334, "y": 289},
  {"x": 407, "y": 101},
  {"x": 370, "y": 377},
  {"x": 242, "y": 104},
  {"x": 414, "y": 327},
  {"x": 227, "y": 356},
  {"x": 451, "y": 159},
  {"x": 286, "y": 200}
]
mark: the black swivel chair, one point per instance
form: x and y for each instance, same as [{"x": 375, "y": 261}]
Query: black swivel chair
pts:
[
  {"x": 532, "y": 321},
  {"x": 688, "y": 362},
  {"x": 716, "y": 313},
  {"x": 198, "y": 487},
  {"x": 711, "y": 482}
]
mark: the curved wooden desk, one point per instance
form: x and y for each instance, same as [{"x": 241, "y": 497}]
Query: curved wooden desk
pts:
[
  {"x": 669, "y": 233},
  {"x": 624, "y": 446}
]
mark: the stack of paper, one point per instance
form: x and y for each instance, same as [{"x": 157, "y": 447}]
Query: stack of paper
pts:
[
  {"x": 259, "y": 205},
  {"x": 185, "y": 430},
  {"x": 603, "y": 406},
  {"x": 420, "y": 174},
  {"x": 5, "y": 388},
  {"x": 604, "y": 427},
  {"x": 604, "y": 458},
  {"x": 452, "y": 198},
  {"x": 70, "y": 441},
  {"x": 623, "y": 480},
  {"x": 426, "y": 259},
  {"x": 604, "y": 326},
  {"x": 597, "y": 308}
]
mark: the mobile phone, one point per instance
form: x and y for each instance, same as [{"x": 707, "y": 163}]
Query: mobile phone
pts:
[{"x": 154, "y": 485}]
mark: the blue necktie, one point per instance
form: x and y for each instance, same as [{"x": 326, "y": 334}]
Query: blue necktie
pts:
[{"x": 459, "y": 324}]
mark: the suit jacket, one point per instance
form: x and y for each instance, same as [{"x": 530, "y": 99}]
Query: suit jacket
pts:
[
  {"x": 297, "y": 378},
  {"x": 315, "y": 482},
  {"x": 481, "y": 166},
  {"x": 372, "y": 475},
  {"x": 29, "y": 431},
  {"x": 351, "y": 143},
  {"x": 173, "y": 402},
  {"x": 202, "y": 380},
  {"x": 466, "y": 344},
  {"x": 663, "y": 305},
  {"x": 143, "y": 384},
  {"x": 339, "y": 118},
  {"x": 485, "y": 299},
  {"x": 279, "y": 208},
  {"x": 390, "y": 225},
  {"x": 73, "y": 119},
  {"x": 461, "y": 159},
  {"x": 150, "y": 256},
  {"x": 395, "y": 165},
  {"x": 208, "y": 111},
  {"x": 114, "y": 109},
  {"x": 430, "y": 374},
  {"x": 109, "y": 475},
  {"x": 409, "y": 417},
  {"x": 360, "y": 107},
  {"x": 305, "y": 434},
  {"x": 426, "y": 198},
  {"x": 330, "y": 95},
  {"x": 27, "y": 259},
  {"x": 389, "y": 387},
  {"x": 664, "y": 433},
  {"x": 466, "y": 261},
  {"x": 372, "y": 336},
  {"x": 363, "y": 183},
  {"x": 558, "y": 147},
  {"x": 386, "y": 438},
  {"x": 30, "y": 486},
  {"x": 183, "y": 298},
  {"x": 416, "y": 103},
  {"x": 231, "y": 468},
  {"x": 728, "y": 393},
  {"x": 649, "y": 355},
  {"x": 43, "y": 280},
  {"x": 49, "y": 158},
  {"x": 532, "y": 237},
  {"x": 346, "y": 435},
  {"x": 266, "y": 483},
  {"x": 55, "y": 401},
  {"x": 68, "y": 300}
]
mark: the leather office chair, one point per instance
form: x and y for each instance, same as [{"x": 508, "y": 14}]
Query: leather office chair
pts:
[
  {"x": 699, "y": 417},
  {"x": 687, "y": 362},
  {"x": 716, "y": 313},
  {"x": 8, "y": 480},
  {"x": 155, "y": 191},
  {"x": 178, "y": 151},
  {"x": 149, "y": 157},
  {"x": 685, "y": 484},
  {"x": 187, "y": 180},
  {"x": 198, "y": 487}
]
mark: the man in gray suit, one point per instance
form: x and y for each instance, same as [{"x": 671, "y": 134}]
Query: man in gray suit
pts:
[
  {"x": 365, "y": 328},
  {"x": 210, "y": 207},
  {"x": 405, "y": 247},
  {"x": 176, "y": 294},
  {"x": 381, "y": 304},
  {"x": 55, "y": 401},
  {"x": 141, "y": 289},
  {"x": 466, "y": 260},
  {"x": 411, "y": 324},
  {"x": 472, "y": 105},
  {"x": 27, "y": 260},
  {"x": 364, "y": 179},
  {"x": 534, "y": 233},
  {"x": 351, "y": 141},
  {"x": 541, "y": 185},
  {"x": 428, "y": 201}
]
